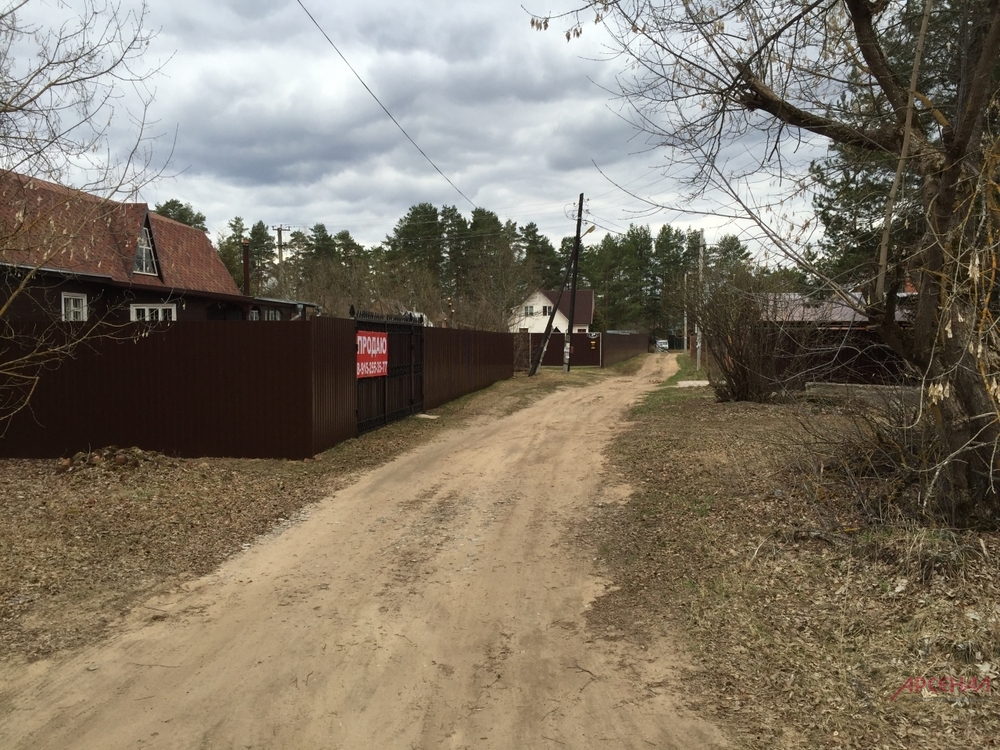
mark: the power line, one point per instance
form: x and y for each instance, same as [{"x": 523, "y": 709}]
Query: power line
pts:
[{"x": 368, "y": 89}]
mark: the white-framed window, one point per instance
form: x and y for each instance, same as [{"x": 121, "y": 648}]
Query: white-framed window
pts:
[
  {"x": 152, "y": 313},
  {"x": 529, "y": 310},
  {"x": 254, "y": 313},
  {"x": 145, "y": 260},
  {"x": 581, "y": 330},
  {"x": 272, "y": 314},
  {"x": 74, "y": 306},
  {"x": 546, "y": 310}
]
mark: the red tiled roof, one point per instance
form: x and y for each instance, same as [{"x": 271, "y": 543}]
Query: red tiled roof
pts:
[
  {"x": 187, "y": 258},
  {"x": 584, "y": 312},
  {"x": 57, "y": 228}
]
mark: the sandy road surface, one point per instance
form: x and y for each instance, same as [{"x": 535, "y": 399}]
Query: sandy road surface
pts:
[{"x": 437, "y": 603}]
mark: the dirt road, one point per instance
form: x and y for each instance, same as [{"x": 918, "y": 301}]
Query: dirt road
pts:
[{"x": 436, "y": 603}]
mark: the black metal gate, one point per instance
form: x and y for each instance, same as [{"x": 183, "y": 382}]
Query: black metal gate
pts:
[{"x": 400, "y": 393}]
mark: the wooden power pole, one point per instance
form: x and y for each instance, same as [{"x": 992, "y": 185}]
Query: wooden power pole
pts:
[
  {"x": 574, "y": 263},
  {"x": 570, "y": 266}
]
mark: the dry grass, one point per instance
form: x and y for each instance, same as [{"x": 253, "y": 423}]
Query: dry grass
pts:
[{"x": 804, "y": 613}]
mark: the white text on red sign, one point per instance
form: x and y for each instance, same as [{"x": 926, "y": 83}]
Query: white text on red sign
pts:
[{"x": 373, "y": 354}]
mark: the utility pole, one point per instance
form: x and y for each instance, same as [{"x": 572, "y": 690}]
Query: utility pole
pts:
[
  {"x": 701, "y": 296},
  {"x": 574, "y": 263},
  {"x": 281, "y": 259},
  {"x": 537, "y": 361},
  {"x": 687, "y": 344}
]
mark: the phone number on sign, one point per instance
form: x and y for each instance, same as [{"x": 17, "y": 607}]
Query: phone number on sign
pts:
[{"x": 369, "y": 369}]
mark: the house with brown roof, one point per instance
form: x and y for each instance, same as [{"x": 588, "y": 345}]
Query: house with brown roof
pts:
[
  {"x": 68, "y": 255},
  {"x": 533, "y": 315}
]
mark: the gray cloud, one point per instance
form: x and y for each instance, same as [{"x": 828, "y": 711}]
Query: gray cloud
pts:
[{"x": 271, "y": 124}]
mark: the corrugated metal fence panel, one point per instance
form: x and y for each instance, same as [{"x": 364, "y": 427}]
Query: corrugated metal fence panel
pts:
[
  {"x": 586, "y": 350},
  {"x": 458, "y": 362},
  {"x": 226, "y": 388},
  {"x": 252, "y": 389},
  {"x": 334, "y": 382},
  {"x": 621, "y": 346}
]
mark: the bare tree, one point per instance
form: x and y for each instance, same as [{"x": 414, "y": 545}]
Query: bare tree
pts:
[
  {"x": 774, "y": 75},
  {"x": 736, "y": 308},
  {"x": 336, "y": 286},
  {"x": 61, "y": 81},
  {"x": 400, "y": 286},
  {"x": 65, "y": 71}
]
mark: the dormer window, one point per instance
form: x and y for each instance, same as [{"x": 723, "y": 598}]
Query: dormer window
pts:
[{"x": 145, "y": 261}]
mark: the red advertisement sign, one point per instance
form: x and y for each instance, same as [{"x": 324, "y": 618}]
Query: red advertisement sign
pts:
[{"x": 373, "y": 354}]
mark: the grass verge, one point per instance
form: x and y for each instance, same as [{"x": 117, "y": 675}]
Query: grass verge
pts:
[
  {"x": 806, "y": 627},
  {"x": 686, "y": 370},
  {"x": 628, "y": 367}
]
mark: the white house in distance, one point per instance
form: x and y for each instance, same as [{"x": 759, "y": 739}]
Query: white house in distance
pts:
[{"x": 533, "y": 315}]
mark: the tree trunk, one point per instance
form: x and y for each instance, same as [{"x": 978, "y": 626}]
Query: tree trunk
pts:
[{"x": 945, "y": 346}]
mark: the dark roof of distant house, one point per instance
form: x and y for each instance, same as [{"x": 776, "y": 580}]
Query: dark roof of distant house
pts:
[
  {"x": 583, "y": 314},
  {"x": 68, "y": 231}
]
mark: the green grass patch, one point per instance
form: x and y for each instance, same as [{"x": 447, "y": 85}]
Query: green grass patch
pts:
[
  {"x": 630, "y": 366},
  {"x": 686, "y": 371},
  {"x": 654, "y": 402}
]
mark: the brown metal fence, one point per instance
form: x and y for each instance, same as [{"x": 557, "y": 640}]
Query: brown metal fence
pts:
[
  {"x": 252, "y": 389},
  {"x": 334, "y": 382},
  {"x": 457, "y": 362},
  {"x": 617, "y": 347},
  {"x": 587, "y": 349}
]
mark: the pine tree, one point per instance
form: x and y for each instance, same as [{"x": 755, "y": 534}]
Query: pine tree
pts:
[
  {"x": 263, "y": 255},
  {"x": 182, "y": 212},
  {"x": 545, "y": 262},
  {"x": 418, "y": 238},
  {"x": 230, "y": 247}
]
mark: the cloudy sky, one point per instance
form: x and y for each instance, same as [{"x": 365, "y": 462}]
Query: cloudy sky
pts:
[{"x": 267, "y": 122}]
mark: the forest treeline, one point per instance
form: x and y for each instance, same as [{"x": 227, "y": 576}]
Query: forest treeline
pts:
[{"x": 470, "y": 271}]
